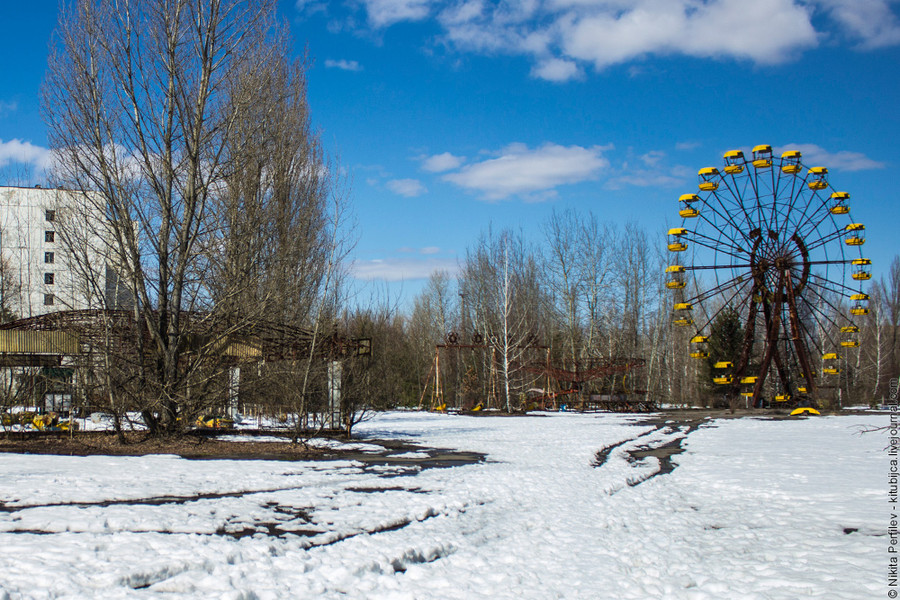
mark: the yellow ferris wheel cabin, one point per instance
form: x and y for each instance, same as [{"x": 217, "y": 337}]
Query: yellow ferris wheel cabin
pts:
[
  {"x": 708, "y": 179},
  {"x": 734, "y": 162},
  {"x": 817, "y": 181},
  {"x": 790, "y": 161},
  {"x": 840, "y": 203},
  {"x": 762, "y": 156},
  {"x": 676, "y": 244}
]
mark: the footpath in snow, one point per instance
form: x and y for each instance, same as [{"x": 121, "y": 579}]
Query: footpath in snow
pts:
[{"x": 565, "y": 506}]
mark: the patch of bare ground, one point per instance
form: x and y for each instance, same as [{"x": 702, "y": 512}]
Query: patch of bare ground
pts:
[
  {"x": 139, "y": 444},
  {"x": 204, "y": 445}
]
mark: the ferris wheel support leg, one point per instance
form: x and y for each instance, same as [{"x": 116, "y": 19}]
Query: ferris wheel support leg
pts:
[
  {"x": 799, "y": 344},
  {"x": 749, "y": 338},
  {"x": 782, "y": 373},
  {"x": 773, "y": 322}
]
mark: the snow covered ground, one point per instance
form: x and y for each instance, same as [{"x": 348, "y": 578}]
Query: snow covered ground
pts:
[{"x": 755, "y": 509}]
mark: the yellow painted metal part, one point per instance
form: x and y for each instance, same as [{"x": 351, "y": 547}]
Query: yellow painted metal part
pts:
[{"x": 15, "y": 341}]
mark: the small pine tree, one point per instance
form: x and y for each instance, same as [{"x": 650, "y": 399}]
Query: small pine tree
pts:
[{"x": 726, "y": 336}]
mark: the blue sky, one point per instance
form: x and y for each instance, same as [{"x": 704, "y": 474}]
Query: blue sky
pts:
[{"x": 450, "y": 116}]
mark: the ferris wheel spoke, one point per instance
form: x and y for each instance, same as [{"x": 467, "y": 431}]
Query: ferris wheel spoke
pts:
[
  {"x": 736, "y": 200},
  {"x": 801, "y": 324},
  {"x": 809, "y": 225},
  {"x": 707, "y": 267},
  {"x": 715, "y": 244},
  {"x": 817, "y": 308},
  {"x": 725, "y": 217},
  {"x": 815, "y": 202},
  {"x": 825, "y": 239},
  {"x": 726, "y": 304},
  {"x": 832, "y": 286},
  {"x": 830, "y": 262},
  {"x": 795, "y": 195},
  {"x": 718, "y": 289},
  {"x": 818, "y": 315}
]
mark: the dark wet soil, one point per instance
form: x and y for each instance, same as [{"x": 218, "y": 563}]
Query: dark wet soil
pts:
[{"x": 205, "y": 446}]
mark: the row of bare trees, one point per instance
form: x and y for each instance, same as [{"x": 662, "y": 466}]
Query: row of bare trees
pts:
[{"x": 588, "y": 293}]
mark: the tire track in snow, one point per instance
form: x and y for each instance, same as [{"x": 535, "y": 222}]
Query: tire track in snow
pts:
[{"x": 663, "y": 450}]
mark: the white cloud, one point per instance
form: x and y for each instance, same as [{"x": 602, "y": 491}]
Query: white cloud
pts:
[
  {"x": 645, "y": 178},
  {"x": 402, "y": 269},
  {"x": 764, "y": 31},
  {"x": 842, "y": 160},
  {"x": 522, "y": 171},
  {"x": 17, "y": 151},
  {"x": 430, "y": 250},
  {"x": 383, "y": 13},
  {"x": 8, "y": 107},
  {"x": 344, "y": 65},
  {"x": 442, "y": 162},
  {"x": 406, "y": 187},
  {"x": 682, "y": 146},
  {"x": 872, "y": 22},
  {"x": 653, "y": 157},
  {"x": 563, "y": 36},
  {"x": 650, "y": 169},
  {"x": 556, "y": 69}
]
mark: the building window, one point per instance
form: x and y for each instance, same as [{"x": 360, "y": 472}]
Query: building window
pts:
[
  {"x": 49, "y": 257},
  {"x": 48, "y": 299},
  {"x": 50, "y": 215},
  {"x": 49, "y": 236},
  {"x": 48, "y": 278}
]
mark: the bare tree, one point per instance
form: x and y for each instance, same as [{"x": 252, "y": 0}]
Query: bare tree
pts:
[
  {"x": 502, "y": 277},
  {"x": 595, "y": 260},
  {"x": 161, "y": 112},
  {"x": 10, "y": 291},
  {"x": 564, "y": 275}
]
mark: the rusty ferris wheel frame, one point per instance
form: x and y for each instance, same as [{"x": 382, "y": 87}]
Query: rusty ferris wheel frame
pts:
[{"x": 771, "y": 238}]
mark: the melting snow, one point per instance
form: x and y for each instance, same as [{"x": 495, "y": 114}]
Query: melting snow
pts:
[{"x": 754, "y": 509}]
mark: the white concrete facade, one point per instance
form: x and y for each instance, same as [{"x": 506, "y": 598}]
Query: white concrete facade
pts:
[{"x": 39, "y": 229}]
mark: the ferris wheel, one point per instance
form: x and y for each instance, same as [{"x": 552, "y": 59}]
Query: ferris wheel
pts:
[{"x": 771, "y": 240}]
